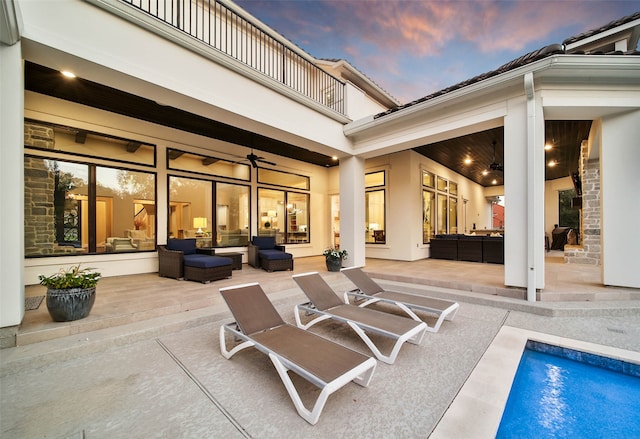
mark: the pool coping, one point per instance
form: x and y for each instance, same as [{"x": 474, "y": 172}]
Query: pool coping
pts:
[{"x": 477, "y": 409}]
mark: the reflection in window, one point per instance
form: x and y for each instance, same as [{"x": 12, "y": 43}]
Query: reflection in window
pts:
[
  {"x": 192, "y": 214},
  {"x": 440, "y": 206},
  {"x": 284, "y": 215},
  {"x": 374, "y": 179},
  {"x": 232, "y": 215},
  {"x": 125, "y": 210},
  {"x": 297, "y": 218},
  {"x": 67, "y": 211},
  {"x": 374, "y": 217},
  {"x": 201, "y": 164},
  {"x": 87, "y": 143},
  {"x": 278, "y": 178},
  {"x": 190, "y": 210},
  {"x": 428, "y": 216}
]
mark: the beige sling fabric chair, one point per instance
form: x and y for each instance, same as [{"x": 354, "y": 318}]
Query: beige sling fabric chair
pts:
[
  {"x": 326, "y": 364},
  {"x": 370, "y": 292},
  {"x": 326, "y": 304}
]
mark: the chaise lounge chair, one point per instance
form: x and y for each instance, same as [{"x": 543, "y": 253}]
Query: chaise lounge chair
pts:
[
  {"x": 369, "y": 291},
  {"x": 328, "y": 305},
  {"x": 326, "y": 364}
]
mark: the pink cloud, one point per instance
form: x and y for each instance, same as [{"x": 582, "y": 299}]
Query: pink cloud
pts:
[{"x": 425, "y": 28}]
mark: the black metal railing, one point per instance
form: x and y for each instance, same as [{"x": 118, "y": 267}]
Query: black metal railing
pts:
[{"x": 226, "y": 31}]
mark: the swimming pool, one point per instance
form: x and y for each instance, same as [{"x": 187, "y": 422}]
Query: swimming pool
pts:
[
  {"x": 561, "y": 393},
  {"x": 477, "y": 409}
]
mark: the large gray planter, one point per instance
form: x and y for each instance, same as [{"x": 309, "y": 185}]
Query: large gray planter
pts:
[
  {"x": 334, "y": 264},
  {"x": 65, "y": 305}
]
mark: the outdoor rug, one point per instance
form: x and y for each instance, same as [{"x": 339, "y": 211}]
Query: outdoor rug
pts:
[{"x": 31, "y": 303}]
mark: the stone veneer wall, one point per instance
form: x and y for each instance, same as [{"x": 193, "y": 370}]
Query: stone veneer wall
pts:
[
  {"x": 588, "y": 252},
  {"x": 39, "y": 227}
]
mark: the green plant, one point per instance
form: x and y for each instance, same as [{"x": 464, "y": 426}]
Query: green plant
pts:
[
  {"x": 334, "y": 253},
  {"x": 72, "y": 277}
]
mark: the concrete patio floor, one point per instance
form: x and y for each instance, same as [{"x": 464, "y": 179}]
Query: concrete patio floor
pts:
[{"x": 151, "y": 366}]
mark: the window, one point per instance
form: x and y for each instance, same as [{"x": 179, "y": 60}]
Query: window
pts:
[
  {"x": 375, "y": 208},
  {"x": 439, "y": 206},
  {"x": 78, "y": 208},
  {"x": 207, "y": 165},
  {"x": 80, "y": 142},
  {"x": 192, "y": 214},
  {"x": 568, "y": 216},
  {"x": 286, "y": 179},
  {"x": 284, "y": 215}
]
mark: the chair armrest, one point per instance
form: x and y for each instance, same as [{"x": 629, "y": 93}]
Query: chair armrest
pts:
[
  {"x": 252, "y": 256},
  {"x": 280, "y": 247},
  {"x": 170, "y": 262}
]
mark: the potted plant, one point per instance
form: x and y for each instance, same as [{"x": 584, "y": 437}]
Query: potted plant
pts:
[
  {"x": 334, "y": 257},
  {"x": 71, "y": 292}
]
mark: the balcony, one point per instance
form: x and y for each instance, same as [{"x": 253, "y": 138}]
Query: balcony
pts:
[{"x": 221, "y": 28}]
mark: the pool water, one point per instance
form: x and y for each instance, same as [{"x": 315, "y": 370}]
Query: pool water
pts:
[{"x": 557, "y": 397}]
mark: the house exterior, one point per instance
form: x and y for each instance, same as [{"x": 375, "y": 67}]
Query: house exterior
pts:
[{"x": 179, "y": 96}]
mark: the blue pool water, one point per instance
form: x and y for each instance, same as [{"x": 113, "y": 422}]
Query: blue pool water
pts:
[{"x": 557, "y": 397}]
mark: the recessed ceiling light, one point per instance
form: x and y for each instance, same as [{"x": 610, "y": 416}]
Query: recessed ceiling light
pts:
[
  {"x": 548, "y": 146},
  {"x": 467, "y": 161},
  {"x": 334, "y": 158},
  {"x": 485, "y": 172},
  {"x": 68, "y": 74},
  {"x": 494, "y": 181},
  {"x": 552, "y": 163}
]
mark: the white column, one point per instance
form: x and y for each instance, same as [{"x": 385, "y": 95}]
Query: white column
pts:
[
  {"x": 620, "y": 209},
  {"x": 352, "y": 218},
  {"x": 524, "y": 193},
  {"x": 12, "y": 184}
]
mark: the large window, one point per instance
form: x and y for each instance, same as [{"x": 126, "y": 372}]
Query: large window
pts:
[
  {"x": 284, "y": 215},
  {"x": 77, "y": 208},
  {"x": 194, "y": 212},
  {"x": 439, "y": 206},
  {"x": 375, "y": 208}
]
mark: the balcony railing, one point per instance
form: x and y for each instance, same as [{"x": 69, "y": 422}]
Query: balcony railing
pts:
[{"x": 223, "y": 29}]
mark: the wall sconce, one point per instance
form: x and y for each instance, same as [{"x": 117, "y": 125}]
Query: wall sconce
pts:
[{"x": 200, "y": 222}]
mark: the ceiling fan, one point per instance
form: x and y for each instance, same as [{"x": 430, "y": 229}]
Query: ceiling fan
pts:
[
  {"x": 495, "y": 166},
  {"x": 254, "y": 160}
]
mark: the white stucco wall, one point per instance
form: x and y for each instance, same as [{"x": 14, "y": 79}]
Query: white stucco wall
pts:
[
  {"x": 619, "y": 164},
  {"x": 12, "y": 182}
]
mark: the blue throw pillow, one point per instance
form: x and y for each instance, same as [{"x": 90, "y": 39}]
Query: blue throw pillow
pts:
[{"x": 187, "y": 246}]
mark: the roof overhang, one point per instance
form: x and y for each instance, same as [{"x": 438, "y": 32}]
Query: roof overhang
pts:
[{"x": 560, "y": 69}]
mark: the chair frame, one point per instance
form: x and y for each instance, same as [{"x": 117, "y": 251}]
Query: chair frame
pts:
[
  {"x": 360, "y": 374},
  {"x": 407, "y": 302},
  {"x": 364, "y": 320}
]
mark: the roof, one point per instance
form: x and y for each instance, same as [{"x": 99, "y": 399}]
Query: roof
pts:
[
  {"x": 547, "y": 51},
  {"x": 606, "y": 27}
]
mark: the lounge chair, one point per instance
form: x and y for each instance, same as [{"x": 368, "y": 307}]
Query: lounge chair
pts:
[
  {"x": 326, "y": 364},
  {"x": 369, "y": 291},
  {"x": 328, "y": 305}
]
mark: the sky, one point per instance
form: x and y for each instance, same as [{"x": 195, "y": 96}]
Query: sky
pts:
[{"x": 411, "y": 48}]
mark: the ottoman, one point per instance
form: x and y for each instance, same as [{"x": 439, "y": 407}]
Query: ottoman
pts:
[{"x": 203, "y": 268}]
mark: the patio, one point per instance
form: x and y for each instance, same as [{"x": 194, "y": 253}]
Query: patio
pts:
[
  {"x": 148, "y": 364},
  {"x": 117, "y": 303}
]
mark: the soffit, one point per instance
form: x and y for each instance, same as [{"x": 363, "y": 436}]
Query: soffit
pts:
[
  {"x": 566, "y": 136},
  {"x": 50, "y": 82}
]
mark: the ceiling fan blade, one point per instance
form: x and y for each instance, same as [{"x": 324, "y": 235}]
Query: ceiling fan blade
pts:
[{"x": 261, "y": 160}]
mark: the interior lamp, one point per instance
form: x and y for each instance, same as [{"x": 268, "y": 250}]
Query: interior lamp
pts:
[{"x": 200, "y": 222}]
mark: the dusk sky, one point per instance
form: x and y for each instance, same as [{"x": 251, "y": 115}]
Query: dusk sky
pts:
[{"x": 412, "y": 48}]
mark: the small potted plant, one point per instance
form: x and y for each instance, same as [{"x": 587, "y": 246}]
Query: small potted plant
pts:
[
  {"x": 71, "y": 292},
  {"x": 334, "y": 257}
]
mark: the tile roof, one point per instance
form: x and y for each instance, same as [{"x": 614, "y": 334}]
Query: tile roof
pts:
[{"x": 606, "y": 27}]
